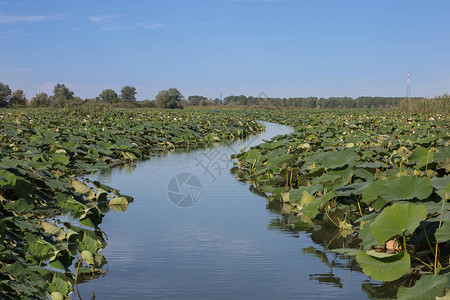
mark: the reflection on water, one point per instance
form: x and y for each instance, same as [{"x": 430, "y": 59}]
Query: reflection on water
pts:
[
  {"x": 327, "y": 236},
  {"x": 225, "y": 246}
]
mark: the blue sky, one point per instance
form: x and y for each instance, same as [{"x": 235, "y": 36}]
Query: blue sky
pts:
[{"x": 284, "y": 48}]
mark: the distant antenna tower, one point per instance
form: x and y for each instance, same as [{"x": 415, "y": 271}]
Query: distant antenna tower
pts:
[{"x": 408, "y": 86}]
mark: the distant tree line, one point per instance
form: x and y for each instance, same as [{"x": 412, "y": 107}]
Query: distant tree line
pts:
[
  {"x": 314, "y": 102},
  {"x": 64, "y": 97},
  {"x": 172, "y": 98}
]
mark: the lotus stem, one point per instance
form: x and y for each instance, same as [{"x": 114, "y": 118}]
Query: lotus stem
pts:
[
  {"x": 437, "y": 242},
  {"x": 429, "y": 266},
  {"x": 76, "y": 278},
  {"x": 331, "y": 219},
  {"x": 287, "y": 180},
  {"x": 428, "y": 240},
  {"x": 359, "y": 207},
  {"x": 426, "y": 169},
  {"x": 290, "y": 180}
]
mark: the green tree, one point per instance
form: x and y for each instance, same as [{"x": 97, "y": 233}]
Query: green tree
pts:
[
  {"x": 61, "y": 95},
  {"x": 171, "y": 98},
  {"x": 197, "y": 100},
  {"x": 127, "y": 94},
  {"x": 18, "y": 98},
  {"x": 40, "y": 99},
  {"x": 108, "y": 96},
  {"x": 5, "y": 94},
  {"x": 147, "y": 103}
]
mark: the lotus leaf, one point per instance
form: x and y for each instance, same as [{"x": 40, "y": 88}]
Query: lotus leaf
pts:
[
  {"x": 396, "y": 220},
  {"x": 384, "y": 269},
  {"x": 428, "y": 287}
]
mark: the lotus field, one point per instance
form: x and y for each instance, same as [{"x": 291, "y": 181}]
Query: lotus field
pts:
[
  {"x": 379, "y": 178},
  {"x": 50, "y": 215}
]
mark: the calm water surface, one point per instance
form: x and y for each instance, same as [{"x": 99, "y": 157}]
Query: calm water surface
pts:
[{"x": 227, "y": 245}]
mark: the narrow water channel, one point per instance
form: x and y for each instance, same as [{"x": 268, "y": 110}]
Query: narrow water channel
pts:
[{"x": 224, "y": 245}]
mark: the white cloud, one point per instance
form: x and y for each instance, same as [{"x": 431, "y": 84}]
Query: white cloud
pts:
[
  {"x": 28, "y": 18},
  {"x": 154, "y": 26},
  {"x": 108, "y": 23},
  {"x": 133, "y": 26},
  {"x": 103, "y": 18}
]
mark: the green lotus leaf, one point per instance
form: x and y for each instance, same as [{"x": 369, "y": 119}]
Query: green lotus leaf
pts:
[
  {"x": 338, "y": 159},
  {"x": 61, "y": 260},
  {"x": 442, "y": 154},
  {"x": 7, "y": 179},
  {"x": 40, "y": 249},
  {"x": 23, "y": 188},
  {"x": 16, "y": 270},
  {"x": 81, "y": 187},
  {"x": 91, "y": 217},
  {"x": 91, "y": 242},
  {"x": 428, "y": 287},
  {"x": 118, "y": 201},
  {"x": 373, "y": 191},
  {"x": 272, "y": 145},
  {"x": 327, "y": 179},
  {"x": 253, "y": 155},
  {"x": 426, "y": 140},
  {"x": 296, "y": 194},
  {"x": 353, "y": 189},
  {"x": 278, "y": 162},
  {"x": 440, "y": 182},
  {"x": 88, "y": 257},
  {"x": 405, "y": 188},
  {"x": 384, "y": 269},
  {"x": 92, "y": 152},
  {"x": 366, "y": 236},
  {"x": 101, "y": 195},
  {"x": 444, "y": 192},
  {"x": 312, "y": 209},
  {"x": 99, "y": 260},
  {"x": 71, "y": 204},
  {"x": 119, "y": 207},
  {"x": 443, "y": 234},
  {"x": 20, "y": 206},
  {"x": 396, "y": 220},
  {"x": 57, "y": 296},
  {"x": 60, "y": 284},
  {"x": 421, "y": 156},
  {"x": 54, "y": 230},
  {"x": 306, "y": 198},
  {"x": 445, "y": 164},
  {"x": 60, "y": 158}
]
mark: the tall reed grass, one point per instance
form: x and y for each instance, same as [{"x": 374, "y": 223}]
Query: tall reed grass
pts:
[{"x": 439, "y": 105}]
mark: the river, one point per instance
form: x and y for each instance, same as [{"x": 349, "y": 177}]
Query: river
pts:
[{"x": 211, "y": 238}]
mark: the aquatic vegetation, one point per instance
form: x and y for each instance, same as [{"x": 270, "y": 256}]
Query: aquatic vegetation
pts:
[
  {"x": 50, "y": 214},
  {"x": 381, "y": 178}
]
